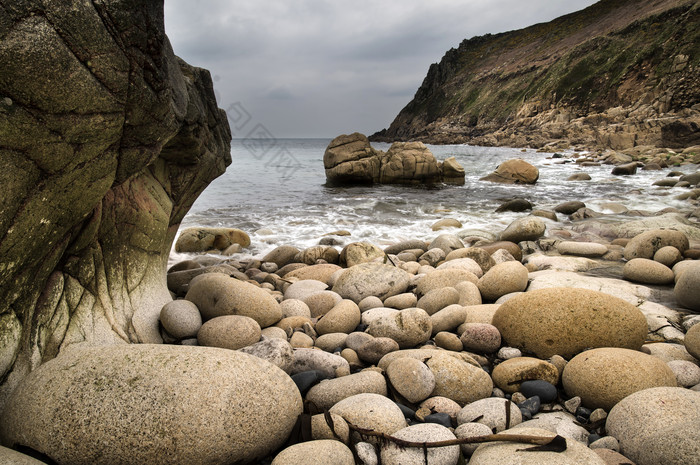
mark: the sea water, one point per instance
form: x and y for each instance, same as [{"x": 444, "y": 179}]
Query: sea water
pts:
[{"x": 276, "y": 193}]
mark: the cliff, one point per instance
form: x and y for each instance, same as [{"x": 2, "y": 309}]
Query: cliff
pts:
[
  {"x": 618, "y": 74},
  {"x": 106, "y": 140}
]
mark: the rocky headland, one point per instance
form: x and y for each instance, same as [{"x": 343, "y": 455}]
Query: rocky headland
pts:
[{"x": 618, "y": 74}]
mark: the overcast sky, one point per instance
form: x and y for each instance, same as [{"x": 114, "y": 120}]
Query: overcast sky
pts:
[{"x": 320, "y": 68}]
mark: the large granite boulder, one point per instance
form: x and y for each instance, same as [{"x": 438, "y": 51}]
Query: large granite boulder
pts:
[
  {"x": 107, "y": 140},
  {"x": 349, "y": 159},
  {"x": 516, "y": 171},
  {"x": 155, "y": 404},
  {"x": 409, "y": 162}
]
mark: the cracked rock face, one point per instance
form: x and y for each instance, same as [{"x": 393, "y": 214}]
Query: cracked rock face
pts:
[{"x": 106, "y": 140}]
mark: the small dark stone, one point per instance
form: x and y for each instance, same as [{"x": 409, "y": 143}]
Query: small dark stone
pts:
[
  {"x": 408, "y": 412},
  {"x": 593, "y": 438},
  {"x": 531, "y": 405},
  {"x": 584, "y": 412},
  {"x": 525, "y": 414},
  {"x": 581, "y": 419},
  {"x": 306, "y": 379},
  {"x": 558, "y": 155},
  {"x": 515, "y": 205},
  {"x": 625, "y": 170},
  {"x": 361, "y": 328},
  {"x": 567, "y": 208},
  {"x": 330, "y": 241},
  {"x": 666, "y": 182},
  {"x": 546, "y": 391},
  {"x": 440, "y": 418}
]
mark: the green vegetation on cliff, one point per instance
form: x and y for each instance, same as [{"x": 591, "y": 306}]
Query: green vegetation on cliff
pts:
[{"x": 634, "y": 54}]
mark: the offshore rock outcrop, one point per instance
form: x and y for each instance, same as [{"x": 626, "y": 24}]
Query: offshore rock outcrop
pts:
[
  {"x": 618, "y": 74},
  {"x": 106, "y": 140},
  {"x": 351, "y": 160}
]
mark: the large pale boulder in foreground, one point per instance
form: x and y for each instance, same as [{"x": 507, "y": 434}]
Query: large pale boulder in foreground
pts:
[
  {"x": 152, "y": 404},
  {"x": 99, "y": 168},
  {"x": 658, "y": 425},
  {"x": 566, "y": 321}
]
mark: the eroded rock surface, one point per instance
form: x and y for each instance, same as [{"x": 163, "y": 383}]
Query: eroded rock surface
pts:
[{"x": 107, "y": 140}]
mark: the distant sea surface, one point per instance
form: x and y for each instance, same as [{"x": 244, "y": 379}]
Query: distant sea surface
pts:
[{"x": 276, "y": 194}]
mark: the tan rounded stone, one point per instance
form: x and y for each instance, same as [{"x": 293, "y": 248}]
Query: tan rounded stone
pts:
[
  {"x": 302, "y": 289},
  {"x": 642, "y": 270},
  {"x": 446, "y": 223},
  {"x": 515, "y": 171},
  {"x": 510, "y": 247},
  {"x": 437, "y": 299},
  {"x": 480, "y": 337},
  {"x": 692, "y": 341},
  {"x": 300, "y": 340},
  {"x": 503, "y": 279},
  {"x": 439, "y": 404},
  {"x": 342, "y": 318},
  {"x": 307, "y": 359},
  {"x": 492, "y": 412},
  {"x": 216, "y": 294},
  {"x": 469, "y": 293},
  {"x": 687, "y": 373},
  {"x": 411, "y": 378},
  {"x": 393, "y": 454},
  {"x": 448, "y": 341},
  {"x": 356, "y": 339},
  {"x": 12, "y": 457},
  {"x": 321, "y": 272},
  {"x": 318, "y": 452},
  {"x": 479, "y": 255},
  {"x": 466, "y": 263},
  {"x": 646, "y": 244},
  {"x": 448, "y": 319},
  {"x": 321, "y": 302},
  {"x": 279, "y": 352},
  {"x": 565, "y": 321},
  {"x": 370, "y": 411},
  {"x": 356, "y": 253},
  {"x": 401, "y": 301},
  {"x": 458, "y": 380},
  {"x": 204, "y": 239},
  {"x": 668, "y": 256},
  {"x": 408, "y": 327},
  {"x": 331, "y": 341},
  {"x": 658, "y": 425},
  {"x": 529, "y": 228},
  {"x": 294, "y": 307},
  {"x": 371, "y": 279},
  {"x": 509, "y": 374},
  {"x": 328, "y": 392},
  {"x": 603, "y": 377},
  {"x": 94, "y": 405},
  {"x": 181, "y": 319},
  {"x": 320, "y": 429},
  {"x": 582, "y": 249},
  {"x": 479, "y": 314},
  {"x": 229, "y": 332},
  {"x": 687, "y": 289},
  {"x": 443, "y": 278},
  {"x": 293, "y": 322},
  {"x": 423, "y": 354},
  {"x": 471, "y": 430},
  {"x": 512, "y": 453},
  {"x": 667, "y": 351},
  {"x": 375, "y": 348}
]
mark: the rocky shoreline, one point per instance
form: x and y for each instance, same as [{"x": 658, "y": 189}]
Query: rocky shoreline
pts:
[{"x": 564, "y": 323}]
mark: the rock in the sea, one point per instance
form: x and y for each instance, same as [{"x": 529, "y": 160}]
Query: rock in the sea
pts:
[
  {"x": 643, "y": 270},
  {"x": 565, "y": 321},
  {"x": 515, "y": 453},
  {"x": 349, "y": 159},
  {"x": 529, "y": 228},
  {"x": 516, "y": 171},
  {"x": 687, "y": 289},
  {"x": 371, "y": 279},
  {"x": 408, "y": 162},
  {"x": 626, "y": 169},
  {"x": 446, "y": 223},
  {"x": 318, "y": 452},
  {"x": 646, "y": 244},
  {"x": 503, "y": 279},
  {"x": 205, "y": 239},
  {"x": 370, "y": 411},
  {"x": 216, "y": 294},
  {"x": 579, "y": 177},
  {"x": 658, "y": 425},
  {"x": 393, "y": 454},
  {"x": 509, "y": 374},
  {"x": 603, "y": 377},
  {"x": 329, "y": 392},
  {"x": 408, "y": 327},
  {"x": 181, "y": 319},
  {"x": 514, "y": 205},
  {"x": 189, "y": 405},
  {"x": 229, "y": 332}
]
